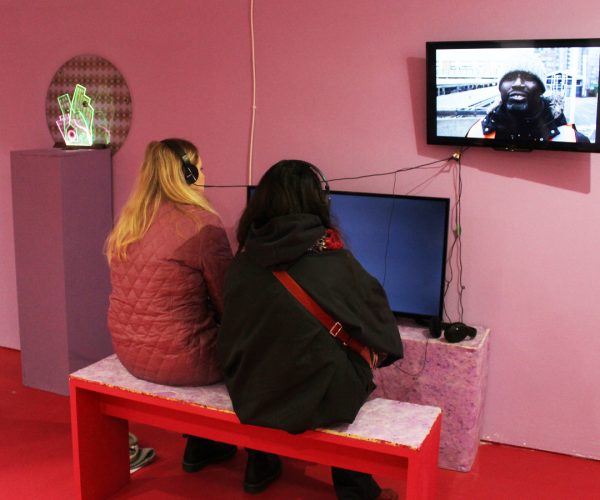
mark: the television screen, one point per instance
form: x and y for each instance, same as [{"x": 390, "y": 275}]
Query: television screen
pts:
[
  {"x": 401, "y": 241},
  {"x": 514, "y": 95}
]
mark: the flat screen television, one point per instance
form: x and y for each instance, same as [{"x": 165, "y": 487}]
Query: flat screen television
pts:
[
  {"x": 401, "y": 241},
  {"x": 514, "y": 94}
]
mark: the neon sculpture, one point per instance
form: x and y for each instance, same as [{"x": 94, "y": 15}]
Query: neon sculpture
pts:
[{"x": 76, "y": 124}]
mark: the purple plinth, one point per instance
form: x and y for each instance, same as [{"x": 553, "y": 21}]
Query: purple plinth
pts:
[
  {"x": 396, "y": 422},
  {"x": 451, "y": 376},
  {"x": 62, "y": 208}
]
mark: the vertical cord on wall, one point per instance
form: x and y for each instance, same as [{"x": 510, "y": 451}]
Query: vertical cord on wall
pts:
[
  {"x": 253, "y": 118},
  {"x": 457, "y": 240},
  {"x": 459, "y": 267}
]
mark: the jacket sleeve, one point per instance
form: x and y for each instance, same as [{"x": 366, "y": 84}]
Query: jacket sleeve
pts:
[
  {"x": 215, "y": 259},
  {"x": 209, "y": 252},
  {"x": 376, "y": 325}
]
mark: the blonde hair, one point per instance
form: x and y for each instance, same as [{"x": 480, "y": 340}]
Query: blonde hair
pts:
[{"x": 160, "y": 179}]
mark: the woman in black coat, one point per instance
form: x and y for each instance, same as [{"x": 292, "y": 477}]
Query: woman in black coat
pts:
[{"x": 282, "y": 367}]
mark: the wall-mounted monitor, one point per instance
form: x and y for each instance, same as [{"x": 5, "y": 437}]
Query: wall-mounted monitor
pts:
[
  {"x": 514, "y": 94},
  {"x": 401, "y": 241}
]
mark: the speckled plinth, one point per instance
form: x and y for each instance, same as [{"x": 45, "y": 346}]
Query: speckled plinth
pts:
[{"x": 451, "y": 376}]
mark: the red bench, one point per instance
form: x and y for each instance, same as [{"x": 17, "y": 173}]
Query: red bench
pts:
[{"x": 386, "y": 437}]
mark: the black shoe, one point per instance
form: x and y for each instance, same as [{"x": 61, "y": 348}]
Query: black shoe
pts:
[
  {"x": 261, "y": 470},
  {"x": 200, "y": 452}
]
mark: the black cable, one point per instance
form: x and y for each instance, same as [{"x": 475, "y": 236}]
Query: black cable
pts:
[
  {"x": 459, "y": 264},
  {"x": 226, "y": 185},
  {"x": 457, "y": 241},
  {"x": 423, "y": 364},
  {"x": 422, "y": 165},
  {"x": 389, "y": 230},
  {"x": 455, "y": 244}
]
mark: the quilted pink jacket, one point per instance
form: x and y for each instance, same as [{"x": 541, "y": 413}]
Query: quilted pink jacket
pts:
[{"x": 167, "y": 297}]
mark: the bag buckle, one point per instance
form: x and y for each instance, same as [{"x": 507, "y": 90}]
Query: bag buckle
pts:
[
  {"x": 374, "y": 358},
  {"x": 335, "y": 330}
]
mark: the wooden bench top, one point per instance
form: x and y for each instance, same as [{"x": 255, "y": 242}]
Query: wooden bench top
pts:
[{"x": 379, "y": 420}]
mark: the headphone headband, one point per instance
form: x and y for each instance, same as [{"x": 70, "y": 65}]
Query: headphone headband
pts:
[
  {"x": 190, "y": 171},
  {"x": 321, "y": 176}
]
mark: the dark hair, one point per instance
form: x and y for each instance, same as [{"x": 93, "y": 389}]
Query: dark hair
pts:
[{"x": 288, "y": 187}]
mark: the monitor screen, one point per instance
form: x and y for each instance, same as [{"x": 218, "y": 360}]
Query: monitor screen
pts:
[
  {"x": 401, "y": 241},
  {"x": 514, "y": 95}
]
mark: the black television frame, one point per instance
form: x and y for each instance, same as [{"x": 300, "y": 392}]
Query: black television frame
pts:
[
  {"x": 443, "y": 203},
  {"x": 462, "y": 141}
]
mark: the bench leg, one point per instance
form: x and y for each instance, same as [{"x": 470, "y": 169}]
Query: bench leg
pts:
[
  {"x": 421, "y": 478},
  {"x": 100, "y": 447}
]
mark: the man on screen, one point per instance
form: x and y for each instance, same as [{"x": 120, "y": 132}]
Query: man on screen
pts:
[{"x": 524, "y": 114}]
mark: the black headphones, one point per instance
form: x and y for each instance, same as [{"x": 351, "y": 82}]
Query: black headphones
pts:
[
  {"x": 322, "y": 177},
  {"x": 190, "y": 171},
  {"x": 453, "y": 332}
]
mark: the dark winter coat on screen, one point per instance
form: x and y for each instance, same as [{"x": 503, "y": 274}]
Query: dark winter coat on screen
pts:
[
  {"x": 282, "y": 368},
  {"x": 167, "y": 298},
  {"x": 549, "y": 125}
]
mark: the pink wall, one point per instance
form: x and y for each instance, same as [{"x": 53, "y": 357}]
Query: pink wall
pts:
[{"x": 341, "y": 83}]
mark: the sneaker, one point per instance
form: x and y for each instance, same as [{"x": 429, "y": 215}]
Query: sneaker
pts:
[
  {"x": 261, "y": 470},
  {"x": 138, "y": 457},
  {"x": 134, "y": 448},
  {"x": 200, "y": 452},
  {"x": 145, "y": 456}
]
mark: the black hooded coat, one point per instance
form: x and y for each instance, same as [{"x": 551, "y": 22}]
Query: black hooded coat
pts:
[
  {"x": 545, "y": 126},
  {"x": 281, "y": 366}
]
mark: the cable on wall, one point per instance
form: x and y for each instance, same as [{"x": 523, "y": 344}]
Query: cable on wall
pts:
[
  {"x": 457, "y": 179},
  {"x": 253, "y": 111},
  {"x": 431, "y": 164},
  {"x": 389, "y": 229},
  {"x": 393, "y": 172},
  {"x": 456, "y": 245}
]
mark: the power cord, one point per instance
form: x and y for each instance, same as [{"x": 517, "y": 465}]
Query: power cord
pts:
[
  {"x": 379, "y": 174},
  {"x": 393, "y": 172},
  {"x": 457, "y": 230},
  {"x": 456, "y": 245},
  {"x": 253, "y": 113},
  {"x": 423, "y": 363}
]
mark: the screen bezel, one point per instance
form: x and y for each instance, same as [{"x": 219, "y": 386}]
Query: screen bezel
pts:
[
  {"x": 431, "y": 92},
  {"x": 446, "y": 206}
]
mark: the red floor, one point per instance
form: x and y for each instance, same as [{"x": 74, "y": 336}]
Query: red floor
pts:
[{"x": 35, "y": 462}]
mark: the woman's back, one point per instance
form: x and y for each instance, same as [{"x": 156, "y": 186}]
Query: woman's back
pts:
[
  {"x": 282, "y": 368},
  {"x": 167, "y": 296}
]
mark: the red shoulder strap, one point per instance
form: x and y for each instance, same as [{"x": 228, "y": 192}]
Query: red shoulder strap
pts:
[{"x": 334, "y": 328}]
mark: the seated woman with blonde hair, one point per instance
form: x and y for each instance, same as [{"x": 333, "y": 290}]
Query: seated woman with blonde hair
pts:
[{"x": 168, "y": 254}]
